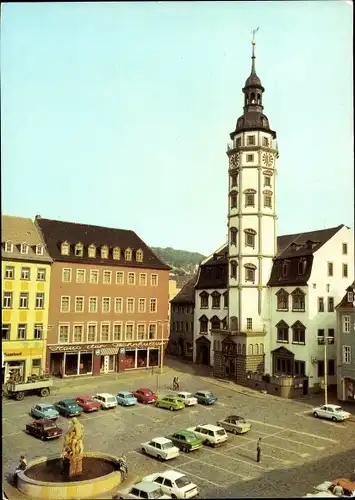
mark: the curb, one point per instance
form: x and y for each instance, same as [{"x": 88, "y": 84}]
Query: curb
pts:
[{"x": 244, "y": 391}]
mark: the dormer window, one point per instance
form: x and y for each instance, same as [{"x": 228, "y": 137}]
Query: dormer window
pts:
[
  {"x": 104, "y": 252},
  {"x": 92, "y": 251},
  {"x": 302, "y": 266},
  {"x": 139, "y": 255},
  {"x": 39, "y": 249},
  {"x": 79, "y": 250},
  {"x": 65, "y": 248},
  {"x": 285, "y": 268},
  {"x": 9, "y": 246},
  {"x": 128, "y": 254},
  {"x": 24, "y": 248},
  {"x": 350, "y": 297},
  {"x": 116, "y": 253}
]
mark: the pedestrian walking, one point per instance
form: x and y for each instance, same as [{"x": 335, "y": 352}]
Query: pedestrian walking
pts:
[{"x": 258, "y": 450}]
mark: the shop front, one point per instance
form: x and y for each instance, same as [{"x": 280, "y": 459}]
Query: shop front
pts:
[
  {"x": 96, "y": 359},
  {"x": 349, "y": 392},
  {"x": 22, "y": 359}
]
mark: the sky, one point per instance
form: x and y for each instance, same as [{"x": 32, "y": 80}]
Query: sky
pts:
[{"x": 119, "y": 114}]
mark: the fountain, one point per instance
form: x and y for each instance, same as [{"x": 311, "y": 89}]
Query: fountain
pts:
[{"x": 72, "y": 474}]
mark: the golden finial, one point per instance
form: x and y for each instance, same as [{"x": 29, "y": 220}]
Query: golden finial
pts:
[{"x": 254, "y": 32}]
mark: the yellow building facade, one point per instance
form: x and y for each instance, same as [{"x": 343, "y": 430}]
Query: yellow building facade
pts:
[{"x": 26, "y": 273}]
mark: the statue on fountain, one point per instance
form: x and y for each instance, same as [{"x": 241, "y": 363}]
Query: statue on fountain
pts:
[{"x": 72, "y": 452}]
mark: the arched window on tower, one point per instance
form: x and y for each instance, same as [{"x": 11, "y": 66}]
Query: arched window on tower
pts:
[
  {"x": 233, "y": 235},
  {"x": 250, "y": 270},
  {"x": 234, "y": 267},
  {"x": 258, "y": 99},
  {"x": 252, "y": 98},
  {"x": 234, "y": 199}
]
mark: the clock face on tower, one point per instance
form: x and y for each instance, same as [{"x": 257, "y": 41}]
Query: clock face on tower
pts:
[
  {"x": 268, "y": 159},
  {"x": 235, "y": 160}
]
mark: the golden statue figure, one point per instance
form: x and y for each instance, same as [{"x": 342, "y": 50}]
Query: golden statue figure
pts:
[{"x": 73, "y": 447}]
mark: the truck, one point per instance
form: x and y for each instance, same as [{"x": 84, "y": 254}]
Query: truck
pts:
[{"x": 17, "y": 389}]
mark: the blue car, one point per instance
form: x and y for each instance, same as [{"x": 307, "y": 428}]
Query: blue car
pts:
[
  {"x": 44, "y": 410},
  {"x": 126, "y": 398},
  {"x": 68, "y": 408},
  {"x": 205, "y": 397}
]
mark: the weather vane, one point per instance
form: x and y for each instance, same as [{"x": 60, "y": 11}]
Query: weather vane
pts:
[{"x": 254, "y": 32}]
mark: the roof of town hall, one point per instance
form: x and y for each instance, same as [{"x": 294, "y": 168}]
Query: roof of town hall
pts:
[
  {"x": 18, "y": 230},
  {"x": 187, "y": 293},
  {"x": 56, "y": 232}
]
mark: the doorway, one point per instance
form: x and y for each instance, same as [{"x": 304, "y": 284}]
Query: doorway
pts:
[
  {"x": 203, "y": 349},
  {"x": 305, "y": 387}
]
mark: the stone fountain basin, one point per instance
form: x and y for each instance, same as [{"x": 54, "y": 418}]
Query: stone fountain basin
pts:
[{"x": 43, "y": 480}]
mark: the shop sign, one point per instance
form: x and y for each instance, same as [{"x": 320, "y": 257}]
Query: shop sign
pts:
[
  {"x": 77, "y": 348},
  {"x": 17, "y": 353}
]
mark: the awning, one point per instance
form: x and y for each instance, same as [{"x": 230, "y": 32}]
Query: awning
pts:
[{"x": 108, "y": 351}]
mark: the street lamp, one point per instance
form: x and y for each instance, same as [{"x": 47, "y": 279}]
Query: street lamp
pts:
[
  {"x": 162, "y": 322},
  {"x": 325, "y": 341}
]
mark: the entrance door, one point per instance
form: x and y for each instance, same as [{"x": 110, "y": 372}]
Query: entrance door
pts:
[
  {"x": 105, "y": 361},
  {"x": 305, "y": 387}
]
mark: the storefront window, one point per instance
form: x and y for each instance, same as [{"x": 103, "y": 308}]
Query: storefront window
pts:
[
  {"x": 142, "y": 357},
  {"x": 130, "y": 360},
  {"x": 153, "y": 357},
  {"x": 71, "y": 364},
  {"x": 85, "y": 363},
  {"x": 351, "y": 391}
]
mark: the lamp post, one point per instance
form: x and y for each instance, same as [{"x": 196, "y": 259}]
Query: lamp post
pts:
[
  {"x": 162, "y": 322},
  {"x": 325, "y": 341}
]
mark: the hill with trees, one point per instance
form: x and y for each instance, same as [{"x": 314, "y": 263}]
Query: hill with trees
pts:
[{"x": 181, "y": 261}]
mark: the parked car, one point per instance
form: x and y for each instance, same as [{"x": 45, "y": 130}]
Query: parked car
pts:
[
  {"x": 126, "y": 398},
  {"x": 333, "y": 412},
  {"x": 205, "y": 397},
  {"x": 235, "y": 424},
  {"x": 174, "y": 483},
  {"x": 145, "y": 395},
  {"x": 170, "y": 402},
  {"x": 328, "y": 487},
  {"x": 145, "y": 490},
  {"x": 210, "y": 434},
  {"x": 161, "y": 448},
  {"x": 88, "y": 404},
  {"x": 44, "y": 429},
  {"x": 186, "y": 441},
  {"x": 320, "y": 494},
  {"x": 106, "y": 400},
  {"x": 188, "y": 398},
  {"x": 44, "y": 410},
  {"x": 68, "y": 408}
]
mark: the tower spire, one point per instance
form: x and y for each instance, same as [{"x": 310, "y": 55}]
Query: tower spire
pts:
[{"x": 253, "y": 43}]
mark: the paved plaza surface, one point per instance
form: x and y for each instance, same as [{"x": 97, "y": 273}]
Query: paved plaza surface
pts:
[{"x": 298, "y": 451}]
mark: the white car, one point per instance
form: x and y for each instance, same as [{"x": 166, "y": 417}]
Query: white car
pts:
[
  {"x": 144, "y": 490},
  {"x": 187, "y": 398},
  {"x": 174, "y": 483},
  {"x": 161, "y": 448},
  {"x": 210, "y": 434},
  {"x": 106, "y": 400},
  {"x": 333, "y": 412},
  {"x": 321, "y": 494}
]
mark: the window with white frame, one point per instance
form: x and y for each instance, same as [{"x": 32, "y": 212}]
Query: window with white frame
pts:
[
  {"x": 154, "y": 280},
  {"x": 105, "y": 332},
  {"x": 94, "y": 277},
  {"x": 346, "y": 354},
  {"x": 80, "y": 275},
  {"x": 91, "y": 332},
  {"x": 129, "y": 331},
  {"x": 41, "y": 274},
  {"x": 22, "y": 332},
  {"x": 141, "y": 305},
  {"x": 39, "y": 249},
  {"x": 152, "y": 331},
  {"x": 117, "y": 332},
  {"x": 116, "y": 253},
  {"x": 143, "y": 279},
  {"x": 65, "y": 248},
  {"x": 153, "y": 305},
  {"x": 39, "y": 300},
  {"x": 104, "y": 252},
  {"x": 93, "y": 304},
  {"x": 249, "y": 323},
  {"x": 23, "y": 300},
  {"x": 7, "y": 300},
  {"x": 346, "y": 324},
  {"x": 128, "y": 254},
  {"x": 9, "y": 246},
  {"x": 131, "y": 278},
  {"x": 38, "y": 331},
  {"x": 66, "y": 274},
  {"x": 106, "y": 277},
  {"x": 267, "y": 181},
  {"x": 24, "y": 248},
  {"x": 141, "y": 331},
  {"x": 79, "y": 304},
  {"x": 78, "y": 333},
  {"x": 92, "y": 251},
  {"x": 9, "y": 272},
  {"x": 63, "y": 334},
  {"x": 65, "y": 303},
  {"x": 350, "y": 297},
  {"x": 118, "y": 304},
  {"x": 106, "y": 304},
  {"x": 79, "y": 250},
  {"x": 130, "y": 305},
  {"x": 139, "y": 255},
  {"x": 119, "y": 277},
  {"x": 25, "y": 273}
]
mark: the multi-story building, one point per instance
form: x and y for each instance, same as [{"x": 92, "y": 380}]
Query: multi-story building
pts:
[
  {"x": 211, "y": 305},
  {"x": 108, "y": 301},
  {"x": 26, "y": 272},
  {"x": 345, "y": 341},
  {"x": 182, "y": 321}
]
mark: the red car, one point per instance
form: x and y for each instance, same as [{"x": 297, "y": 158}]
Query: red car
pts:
[
  {"x": 88, "y": 404},
  {"x": 44, "y": 429},
  {"x": 145, "y": 395}
]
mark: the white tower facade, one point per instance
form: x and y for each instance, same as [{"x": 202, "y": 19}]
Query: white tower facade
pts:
[{"x": 252, "y": 243}]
